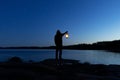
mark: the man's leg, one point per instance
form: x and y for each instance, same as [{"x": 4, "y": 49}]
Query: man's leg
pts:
[
  {"x": 60, "y": 57},
  {"x": 56, "y": 56}
]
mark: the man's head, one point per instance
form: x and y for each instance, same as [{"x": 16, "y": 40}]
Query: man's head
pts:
[{"x": 58, "y": 32}]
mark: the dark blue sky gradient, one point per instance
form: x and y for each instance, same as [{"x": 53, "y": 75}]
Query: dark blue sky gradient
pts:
[{"x": 34, "y": 22}]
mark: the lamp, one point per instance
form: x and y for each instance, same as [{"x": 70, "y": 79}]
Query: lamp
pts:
[{"x": 66, "y": 35}]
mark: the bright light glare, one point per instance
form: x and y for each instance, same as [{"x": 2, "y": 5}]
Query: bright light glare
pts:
[{"x": 66, "y": 35}]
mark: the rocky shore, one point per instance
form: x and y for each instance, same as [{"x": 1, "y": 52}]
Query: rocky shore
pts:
[{"x": 47, "y": 70}]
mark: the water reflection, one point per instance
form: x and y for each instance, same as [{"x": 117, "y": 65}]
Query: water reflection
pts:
[{"x": 91, "y": 56}]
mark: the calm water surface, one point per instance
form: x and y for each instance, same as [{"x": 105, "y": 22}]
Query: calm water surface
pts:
[{"x": 91, "y": 56}]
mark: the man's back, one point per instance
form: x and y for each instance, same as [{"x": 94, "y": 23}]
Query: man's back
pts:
[{"x": 58, "y": 40}]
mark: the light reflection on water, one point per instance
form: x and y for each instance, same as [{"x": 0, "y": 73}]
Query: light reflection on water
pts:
[{"x": 91, "y": 56}]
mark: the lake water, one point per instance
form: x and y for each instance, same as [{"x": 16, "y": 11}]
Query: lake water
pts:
[{"x": 91, "y": 56}]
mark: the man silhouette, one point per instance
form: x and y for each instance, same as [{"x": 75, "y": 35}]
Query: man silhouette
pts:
[{"x": 58, "y": 43}]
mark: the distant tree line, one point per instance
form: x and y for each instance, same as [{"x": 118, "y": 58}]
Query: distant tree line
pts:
[{"x": 103, "y": 45}]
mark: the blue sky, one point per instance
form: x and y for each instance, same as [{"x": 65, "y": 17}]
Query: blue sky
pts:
[{"x": 34, "y": 22}]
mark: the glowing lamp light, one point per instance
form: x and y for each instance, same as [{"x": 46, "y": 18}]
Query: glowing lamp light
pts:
[{"x": 66, "y": 35}]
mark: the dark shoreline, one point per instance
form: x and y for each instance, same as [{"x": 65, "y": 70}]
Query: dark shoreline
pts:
[{"x": 47, "y": 70}]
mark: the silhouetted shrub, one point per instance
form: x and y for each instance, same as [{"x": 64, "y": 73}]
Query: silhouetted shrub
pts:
[
  {"x": 15, "y": 59},
  {"x": 86, "y": 63}
]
